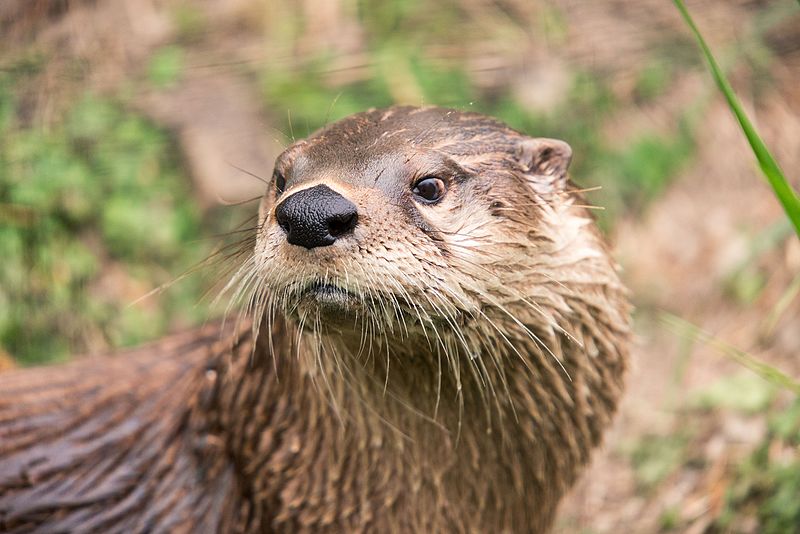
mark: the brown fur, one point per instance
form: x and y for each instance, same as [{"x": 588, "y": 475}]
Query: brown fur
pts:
[{"x": 459, "y": 386}]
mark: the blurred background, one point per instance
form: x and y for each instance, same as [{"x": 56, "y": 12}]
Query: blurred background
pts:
[{"x": 129, "y": 131}]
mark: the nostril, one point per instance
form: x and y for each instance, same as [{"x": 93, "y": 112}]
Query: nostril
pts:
[
  {"x": 283, "y": 219},
  {"x": 342, "y": 223}
]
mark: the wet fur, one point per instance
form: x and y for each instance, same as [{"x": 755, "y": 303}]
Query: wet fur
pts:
[{"x": 481, "y": 358}]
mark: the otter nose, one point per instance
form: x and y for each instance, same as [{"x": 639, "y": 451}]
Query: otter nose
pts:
[{"x": 316, "y": 217}]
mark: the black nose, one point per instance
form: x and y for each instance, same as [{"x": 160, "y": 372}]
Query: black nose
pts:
[{"x": 316, "y": 217}]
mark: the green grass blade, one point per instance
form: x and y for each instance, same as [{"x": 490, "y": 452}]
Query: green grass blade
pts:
[
  {"x": 788, "y": 198},
  {"x": 764, "y": 370}
]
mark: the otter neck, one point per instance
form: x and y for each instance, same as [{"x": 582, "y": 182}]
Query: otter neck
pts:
[
  {"x": 307, "y": 403},
  {"x": 398, "y": 384}
]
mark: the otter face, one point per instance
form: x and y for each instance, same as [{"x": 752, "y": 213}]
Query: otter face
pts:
[{"x": 406, "y": 219}]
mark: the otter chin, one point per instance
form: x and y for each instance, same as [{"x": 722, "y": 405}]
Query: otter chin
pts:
[
  {"x": 331, "y": 302},
  {"x": 434, "y": 338}
]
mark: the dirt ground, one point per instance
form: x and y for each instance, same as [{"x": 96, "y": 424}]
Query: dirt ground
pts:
[
  {"x": 676, "y": 260},
  {"x": 687, "y": 255}
]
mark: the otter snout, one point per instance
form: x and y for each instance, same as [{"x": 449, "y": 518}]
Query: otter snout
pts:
[{"x": 316, "y": 217}]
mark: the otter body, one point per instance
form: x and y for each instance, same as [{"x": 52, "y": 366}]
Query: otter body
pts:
[{"x": 437, "y": 338}]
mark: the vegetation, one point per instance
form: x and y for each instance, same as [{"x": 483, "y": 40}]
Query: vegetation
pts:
[
  {"x": 100, "y": 190},
  {"x": 768, "y": 480},
  {"x": 780, "y": 185},
  {"x": 630, "y": 177},
  {"x": 95, "y": 212}
]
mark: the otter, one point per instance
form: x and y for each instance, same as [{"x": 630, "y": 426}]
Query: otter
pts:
[{"x": 433, "y": 337}]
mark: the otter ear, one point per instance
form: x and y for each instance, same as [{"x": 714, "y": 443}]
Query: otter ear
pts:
[{"x": 545, "y": 157}]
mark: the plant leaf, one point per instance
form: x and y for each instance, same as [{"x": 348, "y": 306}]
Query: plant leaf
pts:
[
  {"x": 788, "y": 198},
  {"x": 764, "y": 370}
]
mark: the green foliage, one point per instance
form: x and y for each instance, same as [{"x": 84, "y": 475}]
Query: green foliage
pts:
[
  {"x": 746, "y": 280},
  {"x": 398, "y": 71},
  {"x": 670, "y": 518},
  {"x": 788, "y": 198},
  {"x": 768, "y": 372},
  {"x": 96, "y": 201},
  {"x": 308, "y": 104},
  {"x": 767, "y": 484},
  {"x": 653, "y": 79},
  {"x": 744, "y": 392},
  {"x": 190, "y": 21},
  {"x": 640, "y": 172},
  {"x": 746, "y": 284},
  {"x": 413, "y": 20},
  {"x": 656, "y": 457},
  {"x": 166, "y": 66}
]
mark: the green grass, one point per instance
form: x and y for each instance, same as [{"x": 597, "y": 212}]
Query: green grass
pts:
[
  {"x": 654, "y": 458},
  {"x": 166, "y": 67},
  {"x": 94, "y": 211},
  {"x": 631, "y": 177},
  {"x": 397, "y": 68},
  {"x": 788, "y": 198},
  {"x": 743, "y": 392},
  {"x": 767, "y": 484},
  {"x": 771, "y": 374}
]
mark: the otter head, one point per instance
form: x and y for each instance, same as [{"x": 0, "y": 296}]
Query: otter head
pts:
[{"x": 422, "y": 224}]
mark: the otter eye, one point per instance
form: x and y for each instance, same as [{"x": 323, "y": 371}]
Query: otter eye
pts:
[
  {"x": 430, "y": 189},
  {"x": 280, "y": 181}
]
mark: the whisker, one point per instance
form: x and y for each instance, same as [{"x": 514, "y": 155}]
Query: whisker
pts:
[{"x": 252, "y": 174}]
